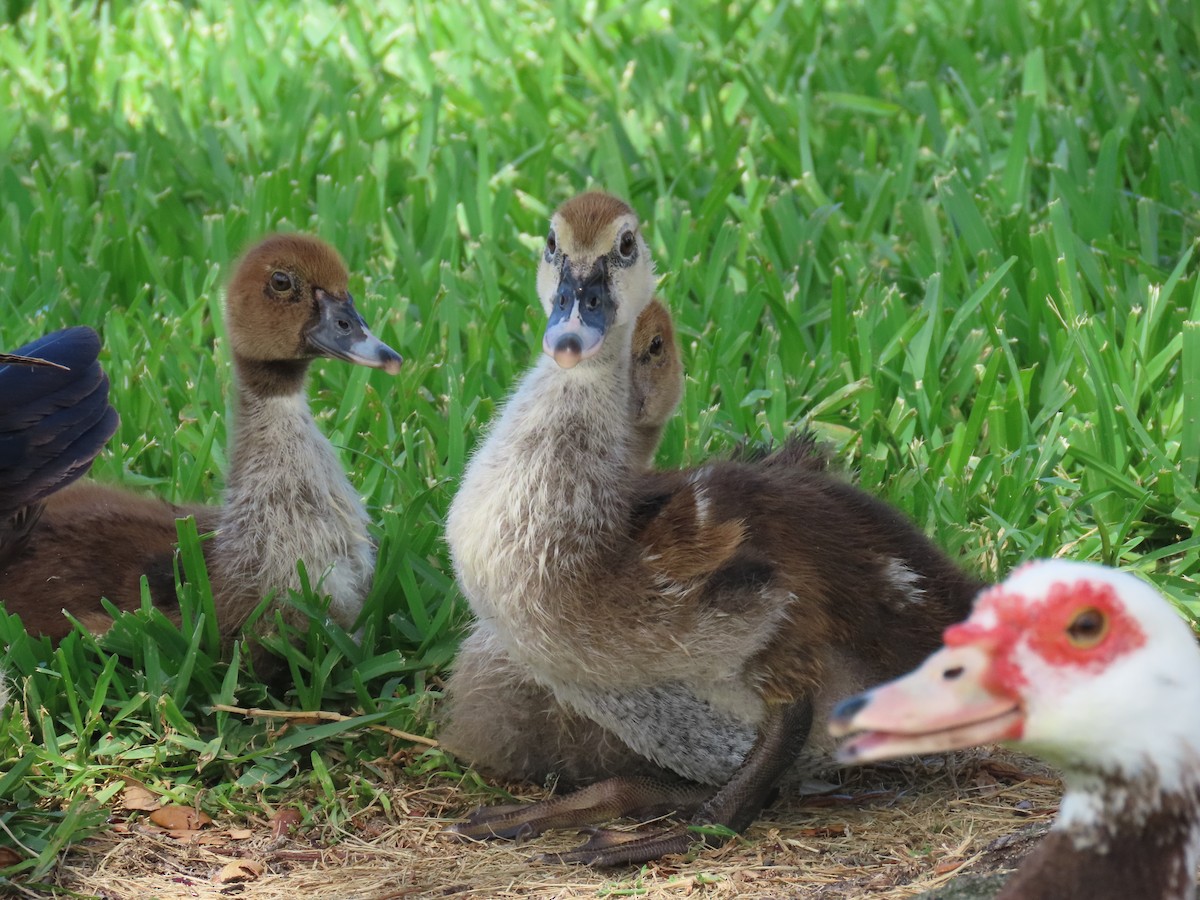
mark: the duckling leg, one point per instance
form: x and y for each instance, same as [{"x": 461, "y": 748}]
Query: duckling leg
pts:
[
  {"x": 732, "y": 808},
  {"x": 609, "y": 799}
]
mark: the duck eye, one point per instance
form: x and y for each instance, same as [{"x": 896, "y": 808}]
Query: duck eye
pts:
[
  {"x": 656, "y": 344},
  {"x": 1088, "y": 628},
  {"x": 281, "y": 282},
  {"x": 551, "y": 245},
  {"x": 627, "y": 245}
]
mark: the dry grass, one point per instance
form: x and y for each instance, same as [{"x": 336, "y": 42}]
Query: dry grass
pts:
[{"x": 888, "y": 833}]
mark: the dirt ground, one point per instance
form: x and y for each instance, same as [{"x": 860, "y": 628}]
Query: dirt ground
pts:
[{"x": 889, "y": 832}]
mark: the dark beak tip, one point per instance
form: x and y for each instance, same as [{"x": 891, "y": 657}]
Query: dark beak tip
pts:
[
  {"x": 391, "y": 361},
  {"x": 569, "y": 344}
]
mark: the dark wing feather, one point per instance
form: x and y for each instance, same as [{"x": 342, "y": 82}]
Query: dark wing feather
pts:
[{"x": 53, "y": 421}]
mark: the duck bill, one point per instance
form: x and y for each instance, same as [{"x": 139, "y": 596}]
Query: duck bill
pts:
[
  {"x": 582, "y": 313},
  {"x": 943, "y": 705},
  {"x": 341, "y": 333}
]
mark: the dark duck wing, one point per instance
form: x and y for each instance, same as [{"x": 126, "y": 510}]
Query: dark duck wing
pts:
[{"x": 54, "y": 419}]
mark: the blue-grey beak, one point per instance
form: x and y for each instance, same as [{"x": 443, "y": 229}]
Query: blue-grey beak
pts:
[
  {"x": 341, "y": 333},
  {"x": 582, "y": 313}
]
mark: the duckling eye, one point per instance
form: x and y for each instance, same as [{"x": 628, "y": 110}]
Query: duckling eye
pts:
[
  {"x": 627, "y": 245},
  {"x": 551, "y": 246},
  {"x": 281, "y": 282},
  {"x": 656, "y": 345},
  {"x": 1088, "y": 628}
]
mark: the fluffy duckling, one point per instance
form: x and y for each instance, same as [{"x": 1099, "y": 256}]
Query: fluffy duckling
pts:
[
  {"x": 1092, "y": 669},
  {"x": 705, "y": 617},
  {"x": 498, "y": 718},
  {"x": 287, "y": 498}
]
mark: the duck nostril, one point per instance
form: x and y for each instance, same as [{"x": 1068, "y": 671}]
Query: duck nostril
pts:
[
  {"x": 952, "y": 674},
  {"x": 849, "y": 708}
]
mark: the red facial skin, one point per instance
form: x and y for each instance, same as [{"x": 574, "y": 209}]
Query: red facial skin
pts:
[
  {"x": 976, "y": 689},
  {"x": 1046, "y": 628}
]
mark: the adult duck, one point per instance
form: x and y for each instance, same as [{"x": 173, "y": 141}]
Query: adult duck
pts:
[
  {"x": 1093, "y": 670},
  {"x": 56, "y": 419},
  {"x": 287, "y": 496},
  {"x": 705, "y": 617}
]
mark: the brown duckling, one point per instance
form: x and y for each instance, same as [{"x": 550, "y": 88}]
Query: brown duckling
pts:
[
  {"x": 710, "y": 656},
  {"x": 287, "y": 497},
  {"x": 656, "y": 379},
  {"x": 1094, "y": 670},
  {"x": 497, "y": 717}
]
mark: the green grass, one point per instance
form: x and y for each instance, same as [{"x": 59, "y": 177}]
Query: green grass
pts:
[{"x": 957, "y": 238}]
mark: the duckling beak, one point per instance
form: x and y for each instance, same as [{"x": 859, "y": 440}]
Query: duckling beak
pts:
[
  {"x": 341, "y": 333},
  {"x": 582, "y": 313},
  {"x": 943, "y": 705}
]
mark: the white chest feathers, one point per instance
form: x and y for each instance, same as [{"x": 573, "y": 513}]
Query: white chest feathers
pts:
[
  {"x": 289, "y": 500},
  {"x": 537, "y": 502}
]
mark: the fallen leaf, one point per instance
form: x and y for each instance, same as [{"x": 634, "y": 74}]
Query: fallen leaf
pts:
[
  {"x": 8, "y": 857},
  {"x": 235, "y": 872},
  {"x": 179, "y": 818},
  {"x": 285, "y": 821},
  {"x": 135, "y": 796},
  {"x": 947, "y": 865},
  {"x": 240, "y": 834}
]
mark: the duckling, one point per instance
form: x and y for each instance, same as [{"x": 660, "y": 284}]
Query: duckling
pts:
[
  {"x": 497, "y": 716},
  {"x": 1094, "y": 670},
  {"x": 705, "y": 617},
  {"x": 287, "y": 498},
  {"x": 656, "y": 380}
]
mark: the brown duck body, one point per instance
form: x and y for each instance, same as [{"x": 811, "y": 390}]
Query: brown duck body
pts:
[
  {"x": 704, "y": 617},
  {"x": 287, "y": 497},
  {"x": 55, "y": 420},
  {"x": 91, "y": 541}
]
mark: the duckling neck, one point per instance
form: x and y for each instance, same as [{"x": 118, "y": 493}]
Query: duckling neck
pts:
[
  {"x": 288, "y": 498},
  {"x": 541, "y": 501},
  {"x": 1116, "y": 837}
]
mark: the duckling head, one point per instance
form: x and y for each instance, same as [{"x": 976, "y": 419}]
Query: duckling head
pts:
[
  {"x": 288, "y": 302},
  {"x": 596, "y": 275},
  {"x": 657, "y": 377}
]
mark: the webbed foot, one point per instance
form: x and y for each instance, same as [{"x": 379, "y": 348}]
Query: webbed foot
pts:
[
  {"x": 600, "y": 802},
  {"x": 622, "y": 848}
]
